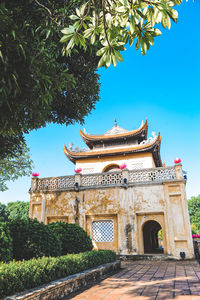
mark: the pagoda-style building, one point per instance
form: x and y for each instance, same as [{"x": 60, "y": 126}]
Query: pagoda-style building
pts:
[
  {"x": 107, "y": 152},
  {"x": 121, "y": 194}
]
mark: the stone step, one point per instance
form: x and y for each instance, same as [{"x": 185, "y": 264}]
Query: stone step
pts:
[{"x": 145, "y": 257}]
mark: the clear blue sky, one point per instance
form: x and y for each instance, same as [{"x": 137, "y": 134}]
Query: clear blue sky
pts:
[{"x": 163, "y": 86}]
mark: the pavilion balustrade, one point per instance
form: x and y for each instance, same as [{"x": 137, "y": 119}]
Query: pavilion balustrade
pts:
[{"x": 119, "y": 178}]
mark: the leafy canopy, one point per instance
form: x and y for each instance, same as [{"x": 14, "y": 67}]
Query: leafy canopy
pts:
[
  {"x": 3, "y": 213},
  {"x": 38, "y": 84},
  {"x": 14, "y": 166},
  {"x": 112, "y": 24},
  {"x": 14, "y": 210},
  {"x": 17, "y": 209}
]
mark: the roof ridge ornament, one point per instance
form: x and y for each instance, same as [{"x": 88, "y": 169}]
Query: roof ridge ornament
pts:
[
  {"x": 115, "y": 122},
  {"x": 150, "y": 139}
]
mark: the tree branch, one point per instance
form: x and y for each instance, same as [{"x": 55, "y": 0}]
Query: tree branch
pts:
[
  {"x": 49, "y": 12},
  {"x": 104, "y": 22},
  {"x": 43, "y": 6}
]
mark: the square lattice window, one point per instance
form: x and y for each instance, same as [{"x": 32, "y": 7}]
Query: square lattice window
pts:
[{"x": 103, "y": 231}]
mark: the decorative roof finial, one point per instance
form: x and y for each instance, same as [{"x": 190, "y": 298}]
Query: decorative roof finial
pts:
[{"x": 115, "y": 122}]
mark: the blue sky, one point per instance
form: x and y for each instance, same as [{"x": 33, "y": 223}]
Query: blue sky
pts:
[{"x": 163, "y": 86}]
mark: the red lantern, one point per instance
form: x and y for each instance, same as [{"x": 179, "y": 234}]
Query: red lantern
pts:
[
  {"x": 78, "y": 170},
  {"x": 123, "y": 166},
  {"x": 177, "y": 160},
  {"x": 35, "y": 174}
]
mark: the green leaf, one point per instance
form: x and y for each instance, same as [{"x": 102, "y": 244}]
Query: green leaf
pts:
[
  {"x": 132, "y": 25},
  {"x": 102, "y": 61},
  {"x": 70, "y": 44},
  {"x": 48, "y": 33},
  {"x": 73, "y": 17},
  {"x": 108, "y": 60},
  {"x": 138, "y": 43},
  {"x": 118, "y": 56},
  {"x": 65, "y": 38},
  {"x": 21, "y": 47},
  {"x": 101, "y": 51},
  {"x": 166, "y": 21},
  {"x": 68, "y": 30},
  {"x": 93, "y": 38},
  {"x": 87, "y": 33},
  {"x": 156, "y": 32},
  {"x": 81, "y": 40},
  {"x": 143, "y": 47},
  {"x": 114, "y": 61},
  {"x": 13, "y": 34}
]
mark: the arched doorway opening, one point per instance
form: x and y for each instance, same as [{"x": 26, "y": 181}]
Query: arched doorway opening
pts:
[
  {"x": 151, "y": 238},
  {"x": 111, "y": 168}
]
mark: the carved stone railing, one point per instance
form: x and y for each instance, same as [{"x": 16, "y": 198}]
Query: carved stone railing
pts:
[
  {"x": 54, "y": 183},
  {"x": 156, "y": 174},
  {"x": 123, "y": 177},
  {"x": 102, "y": 179}
]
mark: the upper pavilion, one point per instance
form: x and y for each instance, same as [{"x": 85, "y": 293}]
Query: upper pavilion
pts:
[{"x": 117, "y": 146}]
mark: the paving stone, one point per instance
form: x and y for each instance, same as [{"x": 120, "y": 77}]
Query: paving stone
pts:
[{"x": 148, "y": 280}]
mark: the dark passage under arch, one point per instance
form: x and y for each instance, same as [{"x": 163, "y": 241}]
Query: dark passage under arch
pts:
[{"x": 150, "y": 237}]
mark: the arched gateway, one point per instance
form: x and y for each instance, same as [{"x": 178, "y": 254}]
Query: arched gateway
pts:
[
  {"x": 150, "y": 237},
  {"x": 122, "y": 196}
]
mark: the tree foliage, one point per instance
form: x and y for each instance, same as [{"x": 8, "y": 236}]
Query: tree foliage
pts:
[
  {"x": 17, "y": 209},
  {"x": 37, "y": 83},
  {"x": 194, "y": 212},
  {"x": 14, "y": 210},
  {"x": 14, "y": 166},
  {"x": 3, "y": 213},
  {"x": 113, "y": 24},
  {"x": 32, "y": 239},
  {"x": 5, "y": 242},
  {"x": 73, "y": 238},
  {"x": 194, "y": 229}
]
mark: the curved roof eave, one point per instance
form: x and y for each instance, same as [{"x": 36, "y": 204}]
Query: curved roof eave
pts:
[
  {"x": 89, "y": 138},
  {"x": 73, "y": 156}
]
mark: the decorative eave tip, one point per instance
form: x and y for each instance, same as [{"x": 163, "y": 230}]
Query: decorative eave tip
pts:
[
  {"x": 90, "y": 137},
  {"x": 69, "y": 154}
]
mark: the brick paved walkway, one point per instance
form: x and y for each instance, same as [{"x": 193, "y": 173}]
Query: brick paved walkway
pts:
[{"x": 148, "y": 280}]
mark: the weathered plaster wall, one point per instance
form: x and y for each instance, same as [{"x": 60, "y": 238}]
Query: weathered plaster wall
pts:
[
  {"x": 177, "y": 220},
  {"x": 129, "y": 208},
  {"x": 133, "y": 161}
]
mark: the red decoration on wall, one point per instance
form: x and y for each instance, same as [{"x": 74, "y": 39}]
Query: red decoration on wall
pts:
[
  {"x": 177, "y": 160},
  {"x": 78, "y": 170},
  {"x": 123, "y": 166},
  {"x": 35, "y": 174}
]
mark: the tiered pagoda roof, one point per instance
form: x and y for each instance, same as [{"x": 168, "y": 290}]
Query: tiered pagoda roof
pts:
[
  {"x": 118, "y": 141},
  {"x": 153, "y": 148},
  {"x": 115, "y": 134}
]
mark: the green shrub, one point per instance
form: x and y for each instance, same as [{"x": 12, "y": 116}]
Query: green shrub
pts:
[
  {"x": 5, "y": 243},
  {"x": 21, "y": 275},
  {"x": 33, "y": 239},
  {"x": 73, "y": 238}
]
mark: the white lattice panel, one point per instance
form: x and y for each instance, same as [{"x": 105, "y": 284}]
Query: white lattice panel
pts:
[
  {"x": 152, "y": 175},
  {"x": 101, "y": 179},
  {"x": 112, "y": 178},
  {"x": 103, "y": 231},
  {"x": 55, "y": 183},
  {"x": 89, "y": 180}
]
